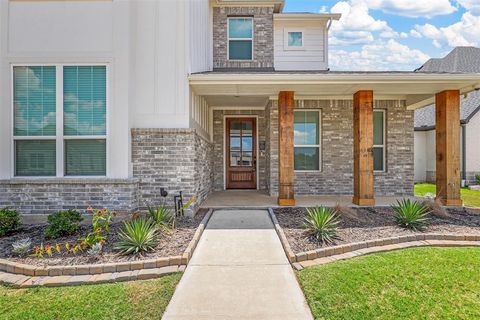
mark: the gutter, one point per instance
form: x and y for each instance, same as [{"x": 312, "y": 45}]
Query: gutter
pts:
[{"x": 464, "y": 153}]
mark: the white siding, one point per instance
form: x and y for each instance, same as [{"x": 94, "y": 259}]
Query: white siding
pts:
[
  {"x": 420, "y": 153},
  {"x": 200, "y": 34},
  {"x": 473, "y": 145},
  {"x": 312, "y": 57}
]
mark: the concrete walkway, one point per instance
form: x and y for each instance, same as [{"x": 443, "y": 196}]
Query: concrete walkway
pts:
[{"x": 238, "y": 271}]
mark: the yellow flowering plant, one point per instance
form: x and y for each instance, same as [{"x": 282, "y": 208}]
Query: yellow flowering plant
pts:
[{"x": 101, "y": 220}]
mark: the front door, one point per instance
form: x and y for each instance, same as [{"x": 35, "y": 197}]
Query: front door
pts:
[{"x": 241, "y": 157}]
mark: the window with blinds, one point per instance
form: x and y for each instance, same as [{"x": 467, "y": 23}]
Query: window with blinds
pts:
[
  {"x": 34, "y": 103},
  {"x": 78, "y": 148}
]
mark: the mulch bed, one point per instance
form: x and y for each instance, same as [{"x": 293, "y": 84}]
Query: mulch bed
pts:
[
  {"x": 172, "y": 243},
  {"x": 362, "y": 224}
]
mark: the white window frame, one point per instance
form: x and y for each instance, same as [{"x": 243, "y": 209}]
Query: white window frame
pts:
[
  {"x": 240, "y": 39},
  {"x": 319, "y": 145},
  {"x": 286, "y": 46},
  {"x": 384, "y": 145},
  {"x": 59, "y": 137}
]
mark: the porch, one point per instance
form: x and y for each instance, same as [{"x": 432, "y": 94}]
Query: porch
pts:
[
  {"x": 340, "y": 157},
  {"x": 242, "y": 199}
]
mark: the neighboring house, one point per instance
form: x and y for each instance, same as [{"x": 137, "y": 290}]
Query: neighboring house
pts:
[
  {"x": 461, "y": 59},
  {"x": 106, "y": 103}
]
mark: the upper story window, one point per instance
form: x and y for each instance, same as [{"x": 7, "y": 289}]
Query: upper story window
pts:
[
  {"x": 60, "y": 120},
  {"x": 240, "y": 38},
  {"x": 294, "y": 39},
  {"x": 379, "y": 140},
  {"x": 307, "y": 140}
]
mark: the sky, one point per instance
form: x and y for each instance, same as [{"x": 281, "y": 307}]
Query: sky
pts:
[{"x": 394, "y": 34}]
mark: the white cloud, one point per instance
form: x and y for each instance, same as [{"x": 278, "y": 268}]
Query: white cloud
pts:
[
  {"x": 471, "y": 5},
  {"x": 413, "y": 8},
  {"x": 323, "y": 9},
  {"x": 462, "y": 33},
  {"x": 381, "y": 55},
  {"x": 356, "y": 24}
]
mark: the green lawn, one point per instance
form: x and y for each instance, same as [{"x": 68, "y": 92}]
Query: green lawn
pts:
[
  {"x": 419, "y": 283},
  {"x": 470, "y": 198},
  {"x": 125, "y": 300}
]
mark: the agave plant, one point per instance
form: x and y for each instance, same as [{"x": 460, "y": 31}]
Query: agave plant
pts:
[
  {"x": 137, "y": 236},
  {"x": 322, "y": 223},
  {"x": 162, "y": 216},
  {"x": 411, "y": 214}
]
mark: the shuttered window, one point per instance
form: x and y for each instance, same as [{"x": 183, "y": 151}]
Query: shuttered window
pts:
[
  {"x": 34, "y": 103},
  {"x": 45, "y": 148}
]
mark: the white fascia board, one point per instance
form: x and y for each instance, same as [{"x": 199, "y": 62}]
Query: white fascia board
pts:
[{"x": 307, "y": 16}]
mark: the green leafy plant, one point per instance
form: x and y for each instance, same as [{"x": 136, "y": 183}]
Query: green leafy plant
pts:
[
  {"x": 62, "y": 223},
  {"x": 162, "y": 216},
  {"x": 411, "y": 214},
  {"x": 101, "y": 220},
  {"x": 477, "y": 178},
  {"x": 322, "y": 223},
  {"x": 9, "y": 221},
  {"x": 21, "y": 247},
  {"x": 137, "y": 236}
]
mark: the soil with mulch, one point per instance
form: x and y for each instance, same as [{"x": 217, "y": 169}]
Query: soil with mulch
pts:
[
  {"x": 362, "y": 224},
  {"x": 173, "y": 242}
]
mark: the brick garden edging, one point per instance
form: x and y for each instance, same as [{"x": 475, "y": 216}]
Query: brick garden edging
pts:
[
  {"x": 350, "y": 250},
  {"x": 22, "y": 275}
]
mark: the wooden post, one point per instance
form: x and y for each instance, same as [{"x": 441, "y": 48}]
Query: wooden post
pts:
[
  {"x": 447, "y": 127},
  {"x": 363, "y": 191},
  {"x": 286, "y": 104}
]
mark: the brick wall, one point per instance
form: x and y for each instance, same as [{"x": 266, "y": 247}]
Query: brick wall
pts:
[
  {"x": 336, "y": 176},
  {"x": 263, "y": 37},
  {"x": 174, "y": 159},
  {"x": 219, "y": 145},
  {"x": 43, "y": 196}
]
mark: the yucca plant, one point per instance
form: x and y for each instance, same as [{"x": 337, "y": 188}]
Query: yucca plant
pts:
[
  {"x": 322, "y": 223},
  {"x": 137, "y": 236},
  {"x": 162, "y": 216},
  {"x": 411, "y": 215}
]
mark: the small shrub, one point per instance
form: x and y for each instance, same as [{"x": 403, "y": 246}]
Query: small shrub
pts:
[
  {"x": 63, "y": 223},
  {"x": 9, "y": 221},
  {"x": 322, "y": 223},
  {"x": 162, "y": 216},
  {"x": 411, "y": 214},
  {"x": 101, "y": 220},
  {"x": 95, "y": 250},
  {"x": 137, "y": 236},
  {"x": 22, "y": 247},
  {"x": 477, "y": 178}
]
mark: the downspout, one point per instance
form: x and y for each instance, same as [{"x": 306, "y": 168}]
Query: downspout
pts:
[
  {"x": 329, "y": 24},
  {"x": 464, "y": 153}
]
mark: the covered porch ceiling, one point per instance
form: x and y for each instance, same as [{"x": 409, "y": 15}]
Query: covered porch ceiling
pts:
[{"x": 254, "y": 89}]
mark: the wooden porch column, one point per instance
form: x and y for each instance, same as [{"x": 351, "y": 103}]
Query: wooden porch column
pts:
[
  {"x": 286, "y": 104},
  {"x": 363, "y": 192},
  {"x": 448, "y": 147}
]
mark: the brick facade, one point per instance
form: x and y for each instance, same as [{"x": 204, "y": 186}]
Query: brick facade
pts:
[
  {"x": 263, "y": 55},
  {"x": 219, "y": 145},
  {"x": 174, "y": 159},
  {"x": 40, "y": 196},
  {"x": 336, "y": 175}
]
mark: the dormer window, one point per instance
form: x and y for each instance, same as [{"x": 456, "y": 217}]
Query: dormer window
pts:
[
  {"x": 240, "y": 38},
  {"x": 294, "y": 39}
]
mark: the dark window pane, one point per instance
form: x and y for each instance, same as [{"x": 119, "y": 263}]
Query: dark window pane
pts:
[
  {"x": 377, "y": 128},
  {"x": 240, "y": 50},
  {"x": 35, "y": 158},
  {"x": 378, "y": 159},
  {"x": 307, "y": 158},
  {"x": 85, "y": 158}
]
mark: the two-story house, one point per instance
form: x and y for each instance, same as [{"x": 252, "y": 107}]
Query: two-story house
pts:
[{"x": 106, "y": 103}]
